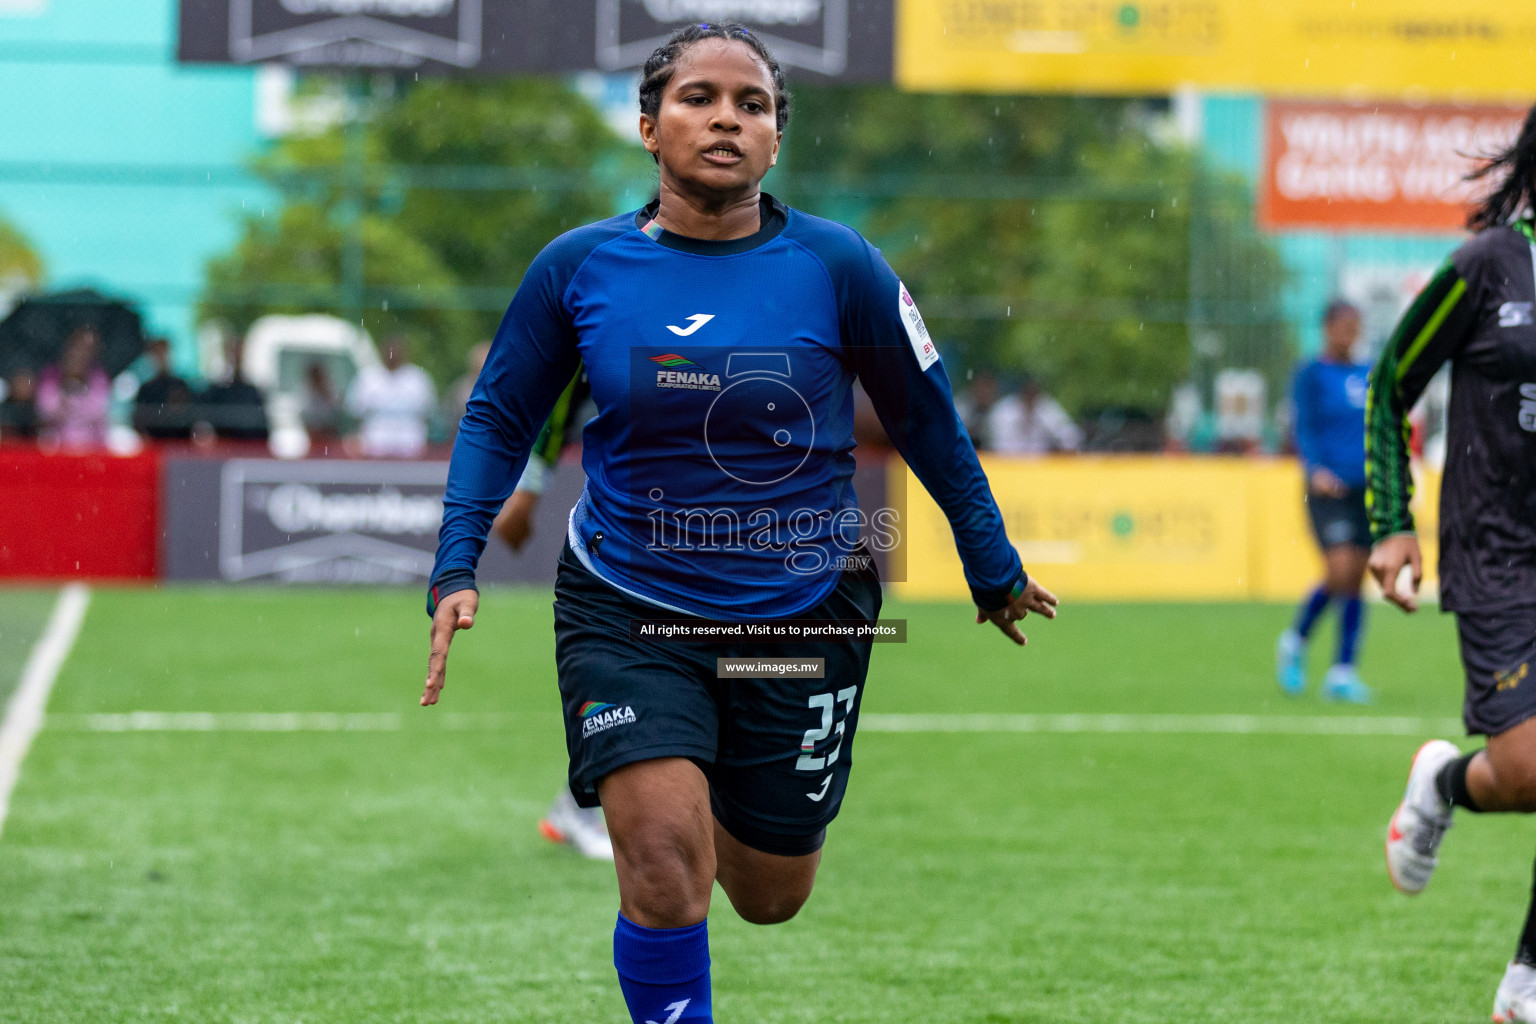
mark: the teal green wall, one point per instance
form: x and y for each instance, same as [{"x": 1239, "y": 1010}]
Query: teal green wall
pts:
[{"x": 124, "y": 169}]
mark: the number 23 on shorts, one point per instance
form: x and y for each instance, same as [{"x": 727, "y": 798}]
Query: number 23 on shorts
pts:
[{"x": 827, "y": 702}]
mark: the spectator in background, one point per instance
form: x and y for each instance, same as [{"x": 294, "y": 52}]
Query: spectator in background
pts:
[
  {"x": 18, "y": 413},
  {"x": 322, "y": 411},
  {"x": 234, "y": 410},
  {"x": 974, "y": 404},
  {"x": 162, "y": 406},
  {"x": 74, "y": 395},
  {"x": 457, "y": 399},
  {"x": 392, "y": 403},
  {"x": 1031, "y": 422}
]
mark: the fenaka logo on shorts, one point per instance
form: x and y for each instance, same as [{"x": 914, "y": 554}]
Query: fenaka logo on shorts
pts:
[
  {"x": 598, "y": 717},
  {"x": 1513, "y": 678},
  {"x": 683, "y": 374}
]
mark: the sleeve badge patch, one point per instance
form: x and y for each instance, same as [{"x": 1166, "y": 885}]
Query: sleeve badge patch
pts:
[{"x": 917, "y": 331}]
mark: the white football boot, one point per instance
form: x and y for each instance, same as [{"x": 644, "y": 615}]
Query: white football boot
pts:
[
  {"x": 1414, "y": 835},
  {"x": 579, "y": 827},
  {"x": 1516, "y": 1001}
]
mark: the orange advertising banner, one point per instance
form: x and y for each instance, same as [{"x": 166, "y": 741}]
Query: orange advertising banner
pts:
[{"x": 1386, "y": 166}]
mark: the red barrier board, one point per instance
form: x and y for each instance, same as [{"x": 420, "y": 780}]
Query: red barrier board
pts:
[
  {"x": 65, "y": 516},
  {"x": 1385, "y": 166}
]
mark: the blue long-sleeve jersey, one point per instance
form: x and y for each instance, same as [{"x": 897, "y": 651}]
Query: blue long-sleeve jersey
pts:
[
  {"x": 1330, "y": 418},
  {"x": 719, "y": 463}
]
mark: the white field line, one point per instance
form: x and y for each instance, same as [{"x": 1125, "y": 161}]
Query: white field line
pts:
[
  {"x": 1262, "y": 725},
  {"x": 24, "y": 714},
  {"x": 207, "y": 721},
  {"x": 1242, "y": 725}
]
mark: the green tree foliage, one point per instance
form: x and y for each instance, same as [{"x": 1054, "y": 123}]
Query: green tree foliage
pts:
[
  {"x": 19, "y": 262},
  {"x": 1109, "y": 315},
  {"x": 1058, "y": 236},
  {"x": 422, "y": 218},
  {"x": 487, "y": 236},
  {"x": 293, "y": 263}
]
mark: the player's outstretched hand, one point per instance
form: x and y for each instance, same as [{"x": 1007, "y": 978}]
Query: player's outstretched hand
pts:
[
  {"x": 455, "y": 612},
  {"x": 1035, "y": 598},
  {"x": 1386, "y": 564}
]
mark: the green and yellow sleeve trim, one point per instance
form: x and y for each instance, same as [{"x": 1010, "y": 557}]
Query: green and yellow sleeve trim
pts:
[{"x": 1414, "y": 352}]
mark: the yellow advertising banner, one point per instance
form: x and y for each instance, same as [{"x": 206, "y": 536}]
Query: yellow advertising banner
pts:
[
  {"x": 1405, "y": 49},
  {"x": 1140, "y": 528}
]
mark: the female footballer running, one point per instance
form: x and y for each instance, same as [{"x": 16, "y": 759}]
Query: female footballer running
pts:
[
  {"x": 1476, "y": 313},
  {"x": 1329, "y": 395},
  {"x": 721, "y": 332}
]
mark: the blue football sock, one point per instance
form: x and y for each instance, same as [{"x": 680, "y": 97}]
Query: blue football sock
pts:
[
  {"x": 1311, "y": 608},
  {"x": 664, "y": 972},
  {"x": 1349, "y": 629}
]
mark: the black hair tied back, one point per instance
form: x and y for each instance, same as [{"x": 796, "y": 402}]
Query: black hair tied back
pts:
[
  {"x": 1515, "y": 171},
  {"x": 662, "y": 64}
]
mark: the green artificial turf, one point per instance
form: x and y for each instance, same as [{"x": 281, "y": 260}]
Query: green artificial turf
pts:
[
  {"x": 23, "y": 612},
  {"x": 981, "y": 877}
]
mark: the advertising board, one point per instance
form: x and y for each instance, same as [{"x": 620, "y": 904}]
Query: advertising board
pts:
[
  {"x": 835, "y": 39},
  {"x": 1146, "y": 528},
  {"x": 331, "y": 521},
  {"x": 1409, "y": 49},
  {"x": 355, "y": 521},
  {"x": 1381, "y": 166}
]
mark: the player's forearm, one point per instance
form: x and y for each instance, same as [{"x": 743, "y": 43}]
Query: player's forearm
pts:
[
  {"x": 936, "y": 446},
  {"x": 1388, "y": 479},
  {"x": 490, "y": 453},
  {"x": 1428, "y": 334},
  {"x": 1309, "y": 441},
  {"x": 1388, "y": 476},
  {"x": 1309, "y": 445},
  {"x": 480, "y": 476}
]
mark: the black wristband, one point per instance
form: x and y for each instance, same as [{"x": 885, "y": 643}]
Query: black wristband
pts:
[
  {"x": 997, "y": 600},
  {"x": 450, "y": 582}
]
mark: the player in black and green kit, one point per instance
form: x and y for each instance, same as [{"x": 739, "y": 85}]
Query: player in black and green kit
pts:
[
  {"x": 582, "y": 828},
  {"x": 1477, "y": 314}
]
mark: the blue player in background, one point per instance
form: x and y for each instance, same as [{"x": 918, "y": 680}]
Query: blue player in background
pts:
[
  {"x": 722, "y": 333},
  {"x": 1329, "y": 395}
]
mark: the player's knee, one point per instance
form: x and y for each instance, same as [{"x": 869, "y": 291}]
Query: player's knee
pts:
[
  {"x": 666, "y": 899},
  {"x": 772, "y": 909},
  {"x": 666, "y": 880},
  {"x": 1342, "y": 584},
  {"x": 666, "y": 908}
]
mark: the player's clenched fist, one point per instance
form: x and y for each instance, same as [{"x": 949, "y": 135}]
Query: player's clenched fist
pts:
[
  {"x": 457, "y": 611},
  {"x": 1386, "y": 564}
]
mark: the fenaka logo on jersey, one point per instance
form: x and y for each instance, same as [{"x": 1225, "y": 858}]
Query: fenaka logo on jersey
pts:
[
  {"x": 917, "y": 331},
  {"x": 683, "y": 374},
  {"x": 598, "y": 717}
]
